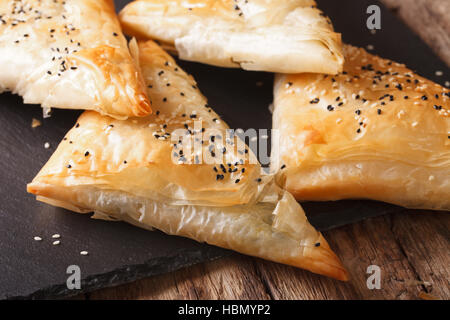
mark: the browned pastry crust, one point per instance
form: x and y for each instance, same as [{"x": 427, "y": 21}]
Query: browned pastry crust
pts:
[
  {"x": 71, "y": 55},
  {"x": 376, "y": 131}
]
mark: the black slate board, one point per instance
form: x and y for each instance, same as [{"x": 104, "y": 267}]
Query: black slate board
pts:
[{"x": 119, "y": 253}]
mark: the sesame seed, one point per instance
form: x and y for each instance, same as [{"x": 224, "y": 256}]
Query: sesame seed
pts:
[
  {"x": 84, "y": 253},
  {"x": 56, "y": 236},
  {"x": 37, "y": 238},
  {"x": 46, "y": 145},
  {"x": 57, "y": 242},
  {"x": 439, "y": 73}
]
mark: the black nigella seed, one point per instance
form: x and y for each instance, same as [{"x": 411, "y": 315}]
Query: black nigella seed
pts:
[
  {"x": 317, "y": 244},
  {"x": 69, "y": 166},
  {"x": 283, "y": 166},
  {"x": 358, "y": 112},
  {"x": 379, "y": 111},
  {"x": 86, "y": 153}
]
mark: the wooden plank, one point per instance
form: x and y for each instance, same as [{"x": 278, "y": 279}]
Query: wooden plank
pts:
[
  {"x": 412, "y": 250},
  {"x": 429, "y": 19},
  {"x": 425, "y": 241},
  {"x": 228, "y": 278}
]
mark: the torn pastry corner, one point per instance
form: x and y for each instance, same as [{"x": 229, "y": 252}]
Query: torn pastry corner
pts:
[
  {"x": 317, "y": 255},
  {"x": 121, "y": 87},
  {"x": 336, "y": 49},
  {"x": 325, "y": 262}
]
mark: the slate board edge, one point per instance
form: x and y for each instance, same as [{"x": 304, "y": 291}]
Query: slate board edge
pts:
[{"x": 126, "y": 274}]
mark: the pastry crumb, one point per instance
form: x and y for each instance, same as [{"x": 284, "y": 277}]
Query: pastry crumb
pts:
[{"x": 35, "y": 123}]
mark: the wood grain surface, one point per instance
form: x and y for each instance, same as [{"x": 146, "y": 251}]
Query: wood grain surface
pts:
[
  {"x": 430, "y": 19},
  {"x": 410, "y": 247}
]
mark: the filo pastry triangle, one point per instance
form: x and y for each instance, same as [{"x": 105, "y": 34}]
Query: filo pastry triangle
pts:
[
  {"x": 376, "y": 131},
  {"x": 287, "y": 36},
  {"x": 70, "y": 55},
  {"x": 141, "y": 171}
]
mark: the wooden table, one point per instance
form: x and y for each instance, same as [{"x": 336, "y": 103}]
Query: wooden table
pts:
[{"x": 410, "y": 247}]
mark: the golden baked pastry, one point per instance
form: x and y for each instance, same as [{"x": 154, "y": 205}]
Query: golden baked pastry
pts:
[
  {"x": 375, "y": 131},
  {"x": 143, "y": 171},
  {"x": 288, "y": 36},
  {"x": 71, "y": 55}
]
